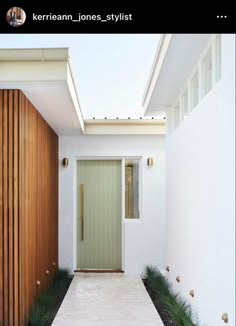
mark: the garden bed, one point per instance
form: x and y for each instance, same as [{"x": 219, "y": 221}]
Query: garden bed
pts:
[
  {"x": 172, "y": 308},
  {"x": 59, "y": 298},
  {"x": 45, "y": 309},
  {"x": 167, "y": 321}
]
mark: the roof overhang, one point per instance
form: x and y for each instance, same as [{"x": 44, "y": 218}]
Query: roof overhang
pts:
[
  {"x": 45, "y": 77},
  {"x": 176, "y": 57}
]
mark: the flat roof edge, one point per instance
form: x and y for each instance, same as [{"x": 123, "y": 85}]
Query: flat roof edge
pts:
[
  {"x": 35, "y": 54},
  {"x": 151, "y": 74},
  {"x": 155, "y": 70}
]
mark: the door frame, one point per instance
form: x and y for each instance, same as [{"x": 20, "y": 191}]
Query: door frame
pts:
[
  {"x": 123, "y": 220},
  {"x": 96, "y": 158}
]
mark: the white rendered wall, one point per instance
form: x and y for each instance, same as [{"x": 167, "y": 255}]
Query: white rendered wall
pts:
[
  {"x": 144, "y": 239},
  {"x": 200, "y": 198}
]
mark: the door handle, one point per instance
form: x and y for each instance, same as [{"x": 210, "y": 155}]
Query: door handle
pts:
[{"x": 82, "y": 210}]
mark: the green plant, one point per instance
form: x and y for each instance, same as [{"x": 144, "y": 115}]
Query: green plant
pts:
[
  {"x": 39, "y": 315},
  {"x": 61, "y": 274},
  {"x": 175, "y": 306},
  {"x": 45, "y": 308},
  {"x": 61, "y": 278},
  {"x": 179, "y": 310},
  {"x": 47, "y": 299},
  {"x": 156, "y": 281}
]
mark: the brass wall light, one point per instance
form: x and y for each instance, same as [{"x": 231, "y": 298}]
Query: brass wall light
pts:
[
  {"x": 65, "y": 161},
  {"x": 150, "y": 161},
  {"x": 168, "y": 268},
  {"x": 224, "y": 317},
  {"x": 178, "y": 279}
]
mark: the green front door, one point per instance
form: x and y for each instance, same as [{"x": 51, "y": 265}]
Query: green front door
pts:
[{"x": 99, "y": 214}]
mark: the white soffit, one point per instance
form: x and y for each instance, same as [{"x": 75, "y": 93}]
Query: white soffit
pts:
[
  {"x": 176, "y": 57},
  {"x": 45, "y": 77}
]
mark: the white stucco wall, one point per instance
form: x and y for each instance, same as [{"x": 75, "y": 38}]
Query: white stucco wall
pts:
[
  {"x": 144, "y": 239},
  {"x": 200, "y": 199}
]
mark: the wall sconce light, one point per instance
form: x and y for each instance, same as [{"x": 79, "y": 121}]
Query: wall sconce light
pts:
[
  {"x": 65, "y": 161},
  {"x": 178, "y": 279},
  {"x": 225, "y": 318},
  {"x": 168, "y": 268},
  {"x": 150, "y": 161}
]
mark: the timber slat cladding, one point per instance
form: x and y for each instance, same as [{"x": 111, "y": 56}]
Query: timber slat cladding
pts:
[
  {"x": 1, "y": 206},
  {"x": 16, "y": 206},
  {"x": 10, "y": 205},
  {"x": 28, "y": 206},
  {"x": 5, "y": 208}
]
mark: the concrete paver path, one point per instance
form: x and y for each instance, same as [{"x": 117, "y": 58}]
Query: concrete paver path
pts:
[{"x": 96, "y": 299}]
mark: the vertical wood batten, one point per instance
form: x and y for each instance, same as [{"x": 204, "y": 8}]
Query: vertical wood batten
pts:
[
  {"x": 22, "y": 212},
  {"x": 16, "y": 206},
  {"x": 1, "y": 206},
  {"x": 5, "y": 210},
  {"x": 10, "y": 205}
]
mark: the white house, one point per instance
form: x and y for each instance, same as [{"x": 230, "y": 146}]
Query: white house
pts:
[{"x": 168, "y": 184}]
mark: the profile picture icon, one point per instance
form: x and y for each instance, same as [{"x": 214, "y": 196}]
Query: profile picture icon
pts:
[{"x": 16, "y": 16}]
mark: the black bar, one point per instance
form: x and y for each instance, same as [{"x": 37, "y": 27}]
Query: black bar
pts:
[{"x": 83, "y": 17}]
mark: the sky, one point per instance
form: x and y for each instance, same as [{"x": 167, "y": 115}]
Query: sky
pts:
[{"x": 111, "y": 70}]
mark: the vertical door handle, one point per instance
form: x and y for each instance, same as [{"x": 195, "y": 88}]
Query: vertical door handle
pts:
[{"x": 82, "y": 210}]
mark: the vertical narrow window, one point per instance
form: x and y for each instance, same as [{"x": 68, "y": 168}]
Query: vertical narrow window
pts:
[
  {"x": 132, "y": 188},
  {"x": 194, "y": 90},
  {"x": 177, "y": 115},
  {"x": 185, "y": 103},
  {"x": 207, "y": 72},
  {"x": 218, "y": 57}
]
